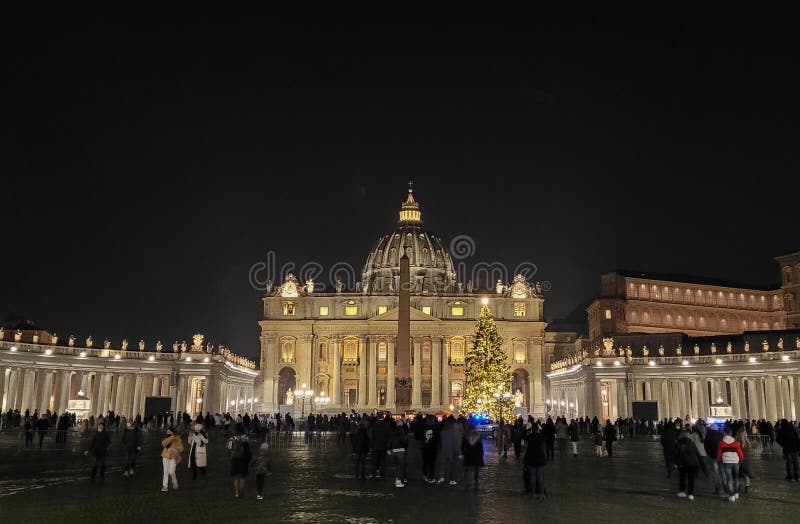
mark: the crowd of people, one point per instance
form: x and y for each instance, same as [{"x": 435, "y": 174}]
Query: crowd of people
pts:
[{"x": 446, "y": 445}]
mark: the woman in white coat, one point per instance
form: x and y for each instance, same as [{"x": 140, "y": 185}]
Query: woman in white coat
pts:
[{"x": 198, "y": 445}]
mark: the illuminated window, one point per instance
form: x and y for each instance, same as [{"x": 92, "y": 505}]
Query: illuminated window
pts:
[
  {"x": 382, "y": 351},
  {"x": 350, "y": 353},
  {"x": 351, "y": 309},
  {"x": 426, "y": 350},
  {"x": 519, "y": 309},
  {"x": 287, "y": 350},
  {"x": 458, "y": 309},
  {"x": 608, "y": 314},
  {"x": 520, "y": 352},
  {"x": 323, "y": 311},
  {"x": 455, "y": 393},
  {"x": 426, "y": 310},
  {"x": 288, "y": 308},
  {"x": 457, "y": 350},
  {"x": 382, "y": 309}
]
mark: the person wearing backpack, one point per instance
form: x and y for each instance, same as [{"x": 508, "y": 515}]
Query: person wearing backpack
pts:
[{"x": 241, "y": 455}]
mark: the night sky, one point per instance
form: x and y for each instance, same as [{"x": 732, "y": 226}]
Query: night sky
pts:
[{"x": 150, "y": 156}]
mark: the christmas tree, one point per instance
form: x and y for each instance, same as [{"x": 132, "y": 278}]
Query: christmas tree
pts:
[{"x": 487, "y": 372}]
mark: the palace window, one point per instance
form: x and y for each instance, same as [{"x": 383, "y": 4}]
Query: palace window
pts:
[
  {"x": 426, "y": 310},
  {"x": 351, "y": 309},
  {"x": 350, "y": 353},
  {"x": 382, "y": 351},
  {"x": 287, "y": 350},
  {"x": 520, "y": 353},
  {"x": 456, "y": 391},
  {"x": 382, "y": 309},
  {"x": 608, "y": 314},
  {"x": 288, "y": 308},
  {"x": 323, "y": 352},
  {"x": 457, "y": 350},
  {"x": 458, "y": 309},
  {"x": 426, "y": 350},
  {"x": 519, "y": 309},
  {"x": 323, "y": 311}
]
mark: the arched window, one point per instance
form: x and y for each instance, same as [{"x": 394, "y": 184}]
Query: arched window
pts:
[
  {"x": 287, "y": 349},
  {"x": 323, "y": 351},
  {"x": 457, "y": 349},
  {"x": 382, "y": 350},
  {"x": 350, "y": 353},
  {"x": 456, "y": 392}
]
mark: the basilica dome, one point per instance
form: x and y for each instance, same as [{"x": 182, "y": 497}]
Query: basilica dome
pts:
[{"x": 430, "y": 265}]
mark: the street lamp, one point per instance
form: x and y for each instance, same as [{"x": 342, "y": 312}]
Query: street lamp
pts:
[
  {"x": 304, "y": 394},
  {"x": 505, "y": 396},
  {"x": 322, "y": 399}
]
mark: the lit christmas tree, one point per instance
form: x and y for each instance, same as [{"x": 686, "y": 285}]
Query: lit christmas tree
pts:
[{"x": 487, "y": 373}]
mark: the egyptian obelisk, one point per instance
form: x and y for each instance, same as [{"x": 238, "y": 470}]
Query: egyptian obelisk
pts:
[{"x": 403, "y": 351}]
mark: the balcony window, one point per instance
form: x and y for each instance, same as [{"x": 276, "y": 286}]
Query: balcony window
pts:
[
  {"x": 323, "y": 311},
  {"x": 519, "y": 309},
  {"x": 288, "y": 309},
  {"x": 426, "y": 310}
]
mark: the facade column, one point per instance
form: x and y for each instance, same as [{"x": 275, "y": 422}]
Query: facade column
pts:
[
  {"x": 137, "y": 395},
  {"x": 209, "y": 394},
  {"x": 447, "y": 391},
  {"x": 648, "y": 389},
  {"x": 390, "y": 369},
  {"x": 156, "y": 390},
  {"x": 598, "y": 402},
  {"x": 786, "y": 398},
  {"x": 336, "y": 375},
  {"x": 695, "y": 409},
  {"x": 100, "y": 403},
  {"x": 772, "y": 411},
  {"x": 735, "y": 407},
  {"x": 371, "y": 400},
  {"x": 436, "y": 372},
  {"x": 682, "y": 397},
  {"x": 47, "y": 391},
  {"x": 364, "y": 344},
  {"x": 416, "y": 375},
  {"x": 182, "y": 390},
  {"x": 3, "y": 381},
  {"x": 779, "y": 397},
  {"x": 796, "y": 396},
  {"x": 752, "y": 405}
]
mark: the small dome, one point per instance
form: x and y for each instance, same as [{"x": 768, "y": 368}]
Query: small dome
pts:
[{"x": 430, "y": 265}]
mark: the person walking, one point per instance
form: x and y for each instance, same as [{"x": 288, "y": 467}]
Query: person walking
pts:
[
  {"x": 263, "y": 468},
  {"x": 562, "y": 435},
  {"x": 172, "y": 447},
  {"x": 713, "y": 467},
  {"x": 132, "y": 441},
  {"x": 549, "y": 434},
  {"x": 790, "y": 442},
  {"x": 379, "y": 440},
  {"x": 98, "y": 449},
  {"x": 449, "y": 449},
  {"x": 744, "y": 465},
  {"x": 240, "y": 455},
  {"x": 517, "y": 434},
  {"x": 669, "y": 441},
  {"x": 398, "y": 447},
  {"x": 42, "y": 427},
  {"x": 534, "y": 462},
  {"x": 503, "y": 436},
  {"x": 609, "y": 435},
  {"x": 361, "y": 449},
  {"x": 472, "y": 450},
  {"x": 574, "y": 436},
  {"x": 430, "y": 449},
  {"x": 688, "y": 459},
  {"x": 198, "y": 459},
  {"x": 729, "y": 454}
]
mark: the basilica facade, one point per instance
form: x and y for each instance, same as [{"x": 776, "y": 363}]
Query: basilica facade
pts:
[{"x": 341, "y": 345}]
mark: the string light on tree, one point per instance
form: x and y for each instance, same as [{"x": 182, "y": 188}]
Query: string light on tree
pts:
[{"x": 486, "y": 370}]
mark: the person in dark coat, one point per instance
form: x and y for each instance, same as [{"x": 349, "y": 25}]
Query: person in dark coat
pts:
[
  {"x": 98, "y": 450},
  {"x": 790, "y": 442},
  {"x": 361, "y": 449},
  {"x": 534, "y": 462},
  {"x": 430, "y": 449},
  {"x": 517, "y": 434},
  {"x": 132, "y": 441},
  {"x": 669, "y": 442},
  {"x": 241, "y": 455},
  {"x": 449, "y": 450},
  {"x": 472, "y": 450},
  {"x": 398, "y": 446},
  {"x": 549, "y": 434},
  {"x": 574, "y": 436},
  {"x": 609, "y": 435},
  {"x": 379, "y": 442},
  {"x": 689, "y": 461},
  {"x": 42, "y": 427}
]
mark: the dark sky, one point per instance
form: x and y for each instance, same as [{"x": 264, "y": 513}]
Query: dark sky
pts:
[{"x": 150, "y": 156}]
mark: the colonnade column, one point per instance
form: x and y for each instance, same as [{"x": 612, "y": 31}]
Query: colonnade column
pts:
[
  {"x": 778, "y": 399},
  {"x": 28, "y": 377},
  {"x": 436, "y": 371},
  {"x": 648, "y": 390},
  {"x": 137, "y": 393},
  {"x": 667, "y": 413},
  {"x": 752, "y": 404},
  {"x": 47, "y": 391},
  {"x": 772, "y": 411},
  {"x": 735, "y": 408},
  {"x": 786, "y": 397},
  {"x": 119, "y": 401},
  {"x": 66, "y": 387},
  {"x": 336, "y": 387},
  {"x": 13, "y": 385}
]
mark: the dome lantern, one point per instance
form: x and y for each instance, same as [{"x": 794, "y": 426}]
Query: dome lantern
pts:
[{"x": 409, "y": 210}]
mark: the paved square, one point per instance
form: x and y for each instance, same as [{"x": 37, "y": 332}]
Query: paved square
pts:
[{"x": 317, "y": 484}]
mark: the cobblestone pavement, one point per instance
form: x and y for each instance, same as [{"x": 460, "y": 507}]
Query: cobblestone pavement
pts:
[{"x": 317, "y": 484}]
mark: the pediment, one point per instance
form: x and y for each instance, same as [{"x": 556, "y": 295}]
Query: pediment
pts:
[{"x": 392, "y": 316}]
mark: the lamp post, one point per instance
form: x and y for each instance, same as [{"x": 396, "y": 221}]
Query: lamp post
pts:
[
  {"x": 505, "y": 395},
  {"x": 304, "y": 394},
  {"x": 322, "y": 399}
]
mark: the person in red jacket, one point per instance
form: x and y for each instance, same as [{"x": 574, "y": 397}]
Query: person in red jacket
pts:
[{"x": 729, "y": 454}]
